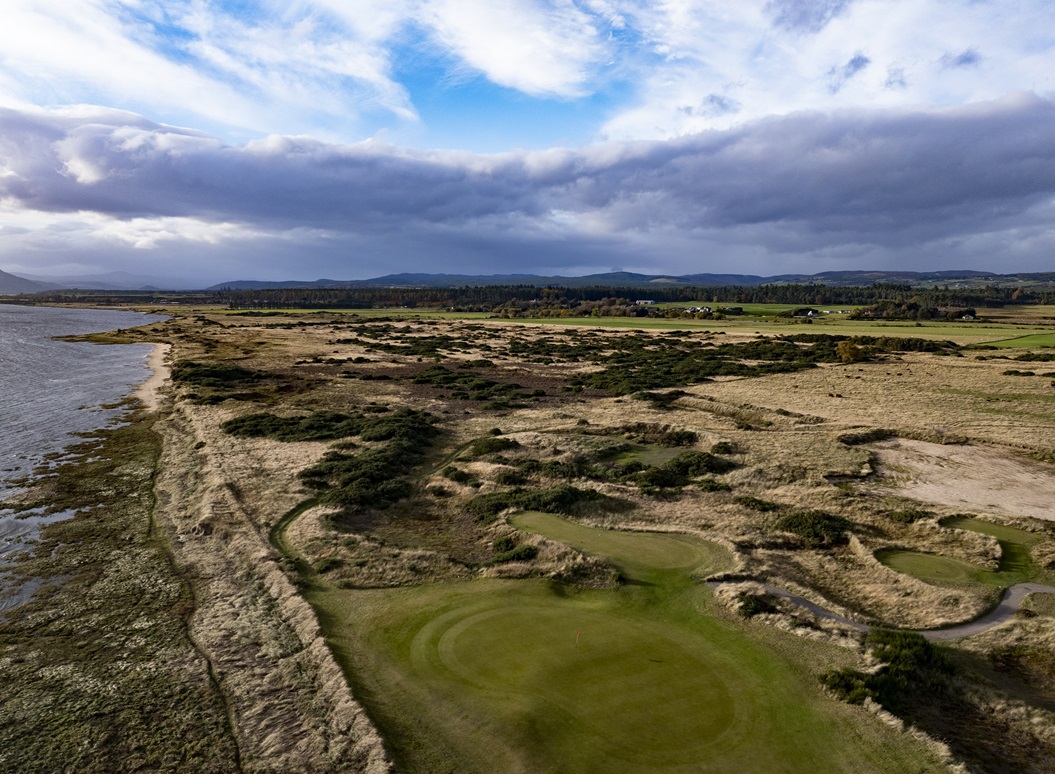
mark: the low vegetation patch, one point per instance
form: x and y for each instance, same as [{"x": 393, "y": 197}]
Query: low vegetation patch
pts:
[
  {"x": 816, "y": 528},
  {"x": 216, "y": 375},
  {"x": 866, "y": 436},
  {"x": 911, "y": 666},
  {"x": 757, "y": 504},
  {"x": 491, "y": 445},
  {"x": 374, "y": 478},
  {"x": 565, "y": 499},
  {"x": 909, "y": 515},
  {"x": 751, "y": 605}
]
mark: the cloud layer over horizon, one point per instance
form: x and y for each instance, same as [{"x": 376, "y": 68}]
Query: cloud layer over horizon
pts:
[{"x": 768, "y": 137}]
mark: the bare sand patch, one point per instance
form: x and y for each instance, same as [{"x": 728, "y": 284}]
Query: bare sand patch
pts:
[
  {"x": 149, "y": 392},
  {"x": 975, "y": 478}
]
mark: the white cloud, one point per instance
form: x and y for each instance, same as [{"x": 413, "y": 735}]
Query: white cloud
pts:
[
  {"x": 745, "y": 53},
  {"x": 540, "y": 47},
  {"x": 880, "y": 183}
]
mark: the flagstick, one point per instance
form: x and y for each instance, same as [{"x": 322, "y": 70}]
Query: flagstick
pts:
[{"x": 577, "y": 638}]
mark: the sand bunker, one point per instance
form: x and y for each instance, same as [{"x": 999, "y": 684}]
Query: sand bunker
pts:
[{"x": 975, "y": 478}]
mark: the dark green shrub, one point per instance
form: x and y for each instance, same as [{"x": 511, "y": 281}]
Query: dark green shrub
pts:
[
  {"x": 712, "y": 485},
  {"x": 866, "y": 436},
  {"x": 505, "y": 543},
  {"x": 215, "y": 375},
  {"x": 560, "y": 499},
  {"x": 757, "y": 504},
  {"x": 457, "y": 475},
  {"x": 849, "y": 685},
  {"x": 723, "y": 447},
  {"x": 816, "y": 528},
  {"x": 328, "y": 564},
  {"x": 510, "y": 478},
  {"x": 522, "y": 553},
  {"x": 319, "y": 426},
  {"x": 909, "y": 515},
  {"x": 696, "y": 463},
  {"x": 912, "y": 666},
  {"x": 491, "y": 445},
  {"x": 754, "y": 604}
]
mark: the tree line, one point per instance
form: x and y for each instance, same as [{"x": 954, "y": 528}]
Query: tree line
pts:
[{"x": 491, "y": 297}]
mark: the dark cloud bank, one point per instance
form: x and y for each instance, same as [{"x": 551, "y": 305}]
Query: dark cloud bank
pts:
[{"x": 874, "y": 187}]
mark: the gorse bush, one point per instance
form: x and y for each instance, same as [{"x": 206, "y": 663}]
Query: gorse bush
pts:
[
  {"x": 521, "y": 553},
  {"x": 491, "y": 444},
  {"x": 319, "y": 426},
  {"x": 911, "y": 666},
  {"x": 816, "y": 528},
  {"x": 909, "y": 515},
  {"x": 757, "y": 504},
  {"x": 215, "y": 375},
  {"x": 755, "y": 604},
  {"x": 371, "y": 479},
  {"x": 564, "y": 499},
  {"x": 866, "y": 436}
]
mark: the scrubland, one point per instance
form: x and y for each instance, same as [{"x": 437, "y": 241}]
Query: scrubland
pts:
[{"x": 495, "y": 543}]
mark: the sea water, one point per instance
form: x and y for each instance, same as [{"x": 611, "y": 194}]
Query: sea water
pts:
[{"x": 51, "y": 390}]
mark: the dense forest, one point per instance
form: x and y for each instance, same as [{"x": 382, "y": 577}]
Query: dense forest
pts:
[
  {"x": 894, "y": 299},
  {"x": 881, "y": 299}
]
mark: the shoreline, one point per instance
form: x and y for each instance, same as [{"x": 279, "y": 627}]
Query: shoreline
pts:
[{"x": 149, "y": 392}]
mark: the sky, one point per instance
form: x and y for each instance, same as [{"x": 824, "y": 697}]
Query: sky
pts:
[{"x": 200, "y": 141}]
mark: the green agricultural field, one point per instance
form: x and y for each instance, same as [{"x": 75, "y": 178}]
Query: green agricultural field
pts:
[
  {"x": 1026, "y": 342},
  {"x": 758, "y": 310},
  {"x": 532, "y": 675}
]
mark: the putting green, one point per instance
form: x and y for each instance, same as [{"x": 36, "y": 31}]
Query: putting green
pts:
[
  {"x": 1016, "y": 564},
  {"x": 578, "y": 676},
  {"x": 931, "y": 567},
  {"x": 630, "y": 550}
]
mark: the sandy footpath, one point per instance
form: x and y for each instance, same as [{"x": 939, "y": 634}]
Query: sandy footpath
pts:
[
  {"x": 975, "y": 478},
  {"x": 149, "y": 392}
]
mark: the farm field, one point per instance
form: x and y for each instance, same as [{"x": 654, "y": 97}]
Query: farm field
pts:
[
  {"x": 758, "y": 318},
  {"x": 476, "y": 544},
  {"x": 1027, "y": 341}
]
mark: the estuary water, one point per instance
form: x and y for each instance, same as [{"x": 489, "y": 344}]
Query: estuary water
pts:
[{"x": 49, "y": 391}]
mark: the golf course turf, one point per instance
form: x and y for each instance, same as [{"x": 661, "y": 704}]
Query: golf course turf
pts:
[
  {"x": 1015, "y": 566},
  {"x": 533, "y": 675}
]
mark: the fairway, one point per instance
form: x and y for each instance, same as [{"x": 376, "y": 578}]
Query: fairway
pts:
[{"x": 536, "y": 676}]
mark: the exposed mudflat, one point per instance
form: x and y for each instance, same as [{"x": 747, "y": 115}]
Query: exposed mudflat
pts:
[{"x": 975, "y": 478}]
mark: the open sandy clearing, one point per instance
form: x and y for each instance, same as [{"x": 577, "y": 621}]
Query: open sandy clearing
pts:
[{"x": 970, "y": 477}]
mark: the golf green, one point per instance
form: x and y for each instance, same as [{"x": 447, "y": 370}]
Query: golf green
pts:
[
  {"x": 532, "y": 675},
  {"x": 1016, "y": 564},
  {"x": 931, "y": 567}
]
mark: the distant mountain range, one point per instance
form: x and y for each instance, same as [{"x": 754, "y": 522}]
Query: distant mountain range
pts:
[
  {"x": 630, "y": 279},
  {"x": 11, "y": 284}
]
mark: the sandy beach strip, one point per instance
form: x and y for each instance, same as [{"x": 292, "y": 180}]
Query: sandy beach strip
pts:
[{"x": 149, "y": 392}]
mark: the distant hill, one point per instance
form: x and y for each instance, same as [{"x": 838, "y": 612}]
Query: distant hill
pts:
[
  {"x": 114, "y": 280},
  {"x": 11, "y": 285},
  {"x": 630, "y": 279}
]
